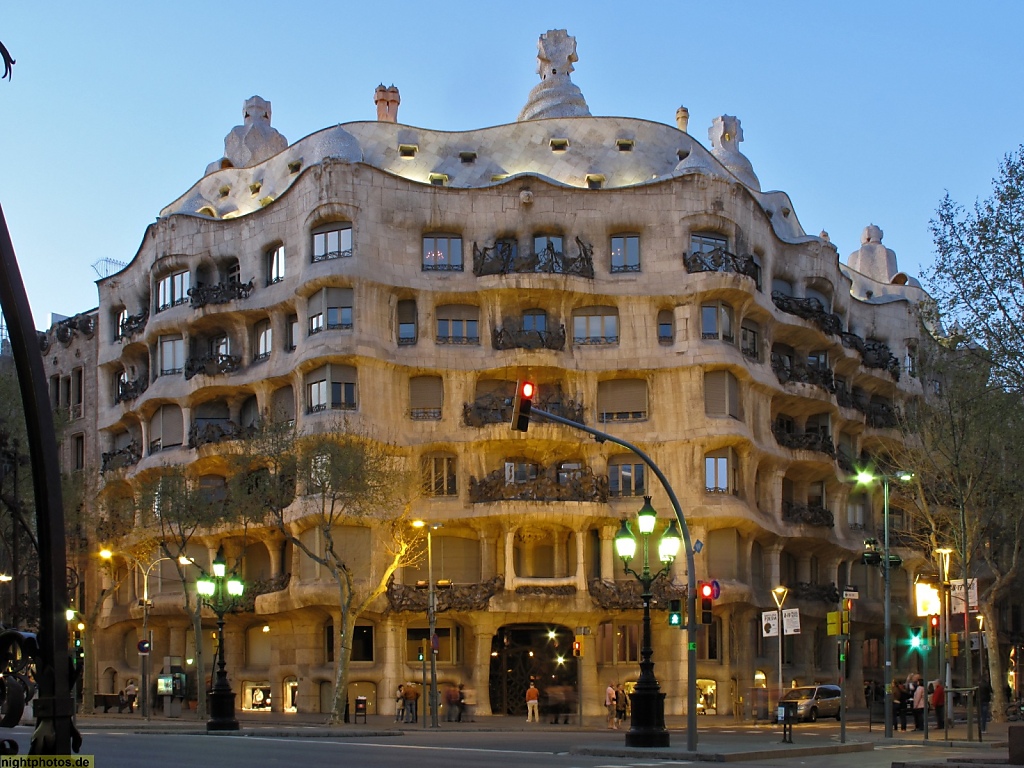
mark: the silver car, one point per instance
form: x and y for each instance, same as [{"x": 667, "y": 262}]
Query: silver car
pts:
[{"x": 814, "y": 701}]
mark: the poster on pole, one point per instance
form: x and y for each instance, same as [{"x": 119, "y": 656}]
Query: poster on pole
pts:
[
  {"x": 770, "y": 624},
  {"x": 791, "y": 621},
  {"x": 956, "y": 595}
]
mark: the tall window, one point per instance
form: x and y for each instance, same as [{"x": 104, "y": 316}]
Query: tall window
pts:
[
  {"x": 219, "y": 345},
  {"x": 595, "y": 325},
  {"x": 458, "y": 324},
  {"x": 618, "y": 643},
  {"x": 120, "y": 323},
  {"x": 750, "y": 340},
  {"x": 626, "y": 478},
  {"x": 331, "y": 387},
  {"x": 332, "y": 241},
  {"x": 275, "y": 265},
  {"x": 172, "y": 355},
  {"x": 439, "y": 477},
  {"x": 78, "y": 449},
  {"x": 331, "y": 309},
  {"x": 292, "y": 326},
  {"x": 706, "y": 242},
  {"x": 263, "y": 336},
  {"x": 716, "y": 321},
  {"x": 666, "y": 326},
  {"x": 535, "y": 320},
  {"x": 520, "y": 471},
  {"x": 407, "y": 322},
  {"x": 442, "y": 253},
  {"x": 720, "y": 471},
  {"x": 172, "y": 290},
  {"x": 622, "y": 400},
  {"x": 626, "y": 253},
  {"x": 316, "y": 393},
  {"x": 722, "y": 394},
  {"x": 426, "y": 398}
]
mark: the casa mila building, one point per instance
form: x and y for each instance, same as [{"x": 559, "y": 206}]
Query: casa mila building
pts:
[{"x": 404, "y": 278}]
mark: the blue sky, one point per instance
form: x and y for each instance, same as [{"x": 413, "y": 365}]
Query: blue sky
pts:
[{"x": 863, "y": 112}]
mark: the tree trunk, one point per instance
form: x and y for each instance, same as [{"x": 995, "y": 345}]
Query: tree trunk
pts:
[
  {"x": 197, "y": 630},
  {"x": 994, "y": 666},
  {"x": 344, "y": 629},
  {"x": 89, "y": 672}
]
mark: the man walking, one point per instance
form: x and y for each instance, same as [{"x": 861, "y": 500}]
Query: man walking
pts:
[
  {"x": 532, "y": 699},
  {"x": 609, "y": 704}
]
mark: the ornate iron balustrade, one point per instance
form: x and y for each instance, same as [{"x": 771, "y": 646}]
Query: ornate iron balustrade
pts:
[
  {"x": 808, "y": 441},
  {"x": 809, "y": 309},
  {"x": 882, "y": 416},
  {"x": 253, "y": 589},
  {"x": 496, "y": 407},
  {"x": 123, "y": 457},
  {"x": 221, "y": 293},
  {"x": 331, "y": 255},
  {"x": 132, "y": 325},
  {"x": 720, "y": 260},
  {"x": 511, "y": 337},
  {"x": 502, "y": 259},
  {"x": 212, "y": 365},
  {"x": 626, "y": 595},
  {"x": 807, "y": 514},
  {"x": 580, "y": 485},
  {"x": 67, "y": 329},
  {"x": 214, "y": 431},
  {"x": 873, "y": 353},
  {"x": 821, "y": 593},
  {"x": 460, "y": 597},
  {"x": 786, "y": 372},
  {"x": 845, "y": 462},
  {"x": 425, "y": 414},
  {"x": 129, "y": 390}
]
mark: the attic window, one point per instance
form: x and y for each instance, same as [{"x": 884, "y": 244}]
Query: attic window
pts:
[
  {"x": 207, "y": 211},
  {"x": 786, "y": 211},
  {"x": 294, "y": 166},
  {"x": 254, "y": 189},
  {"x": 682, "y": 154},
  {"x": 407, "y": 151},
  {"x": 559, "y": 145},
  {"x": 499, "y": 177},
  {"x": 467, "y": 157},
  {"x": 439, "y": 179},
  {"x": 595, "y": 180},
  {"x": 624, "y": 145},
  {"x": 225, "y": 191},
  {"x": 267, "y": 200}
]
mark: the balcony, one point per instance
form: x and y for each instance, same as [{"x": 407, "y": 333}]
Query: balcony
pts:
[
  {"x": 518, "y": 338},
  {"x": 254, "y": 589},
  {"x": 873, "y": 354},
  {"x": 809, "y": 309},
  {"x": 787, "y": 370},
  {"x": 807, "y": 514},
  {"x": 212, "y": 365},
  {"x": 818, "y": 593},
  {"x": 210, "y": 431},
  {"x": 626, "y": 595},
  {"x": 129, "y": 390},
  {"x": 496, "y": 407},
  {"x": 132, "y": 325},
  {"x": 882, "y": 416},
  {"x": 200, "y": 295},
  {"x": 720, "y": 260},
  {"x": 123, "y": 457},
  {"x": 503, "y": 259},
  {"x": 456, "y": 597},
  {"x": 808, "y": 441},
  {"x": 579, "y": 485}
]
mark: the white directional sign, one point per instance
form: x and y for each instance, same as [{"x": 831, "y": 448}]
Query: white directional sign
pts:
[
  {"x": 956, "y": 595},
  {"x": 791, "y": 621},
  {"x": 770, "y": 623}
]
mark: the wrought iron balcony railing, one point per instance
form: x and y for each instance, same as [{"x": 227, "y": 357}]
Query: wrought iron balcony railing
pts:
[
  {"x": 808, "y": 441},
  {"x": 820, "y": 593},
  {"x": 511, "y": 337},
  {"x": 200, "y": 295},
  {"x": 496, "y": 408},
  {"x": 129, "y": 390},
  {"x": 578, "y": 485},
  {"x": 132, "y": 325},
  {"x": 123, "y": 457},
  {"x": 787, "y": 371},
  {"x": 807, "y": 514},
  {"x": 809, "y": 309},
  {"x": 212, "y": 365},
  {"x": 209, "y": 431},
  {"x": 720, "y": 260},
  {"x": 503, "y": 259}
]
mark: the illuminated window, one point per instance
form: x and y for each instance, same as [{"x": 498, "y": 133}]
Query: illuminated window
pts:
[
  {"x": 442, "y": 253},
  {"x": 625, "y": 253},
  {"x": 626, "y": 478},
  {"x": 439, "y": 478}
]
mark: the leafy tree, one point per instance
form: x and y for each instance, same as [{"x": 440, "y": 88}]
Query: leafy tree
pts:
[
  {"x": 347, "y": 480},
  {"x": 978, "y": 276}
]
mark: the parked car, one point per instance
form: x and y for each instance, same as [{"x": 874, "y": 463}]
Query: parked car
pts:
[{"x": 814, "y": 701}]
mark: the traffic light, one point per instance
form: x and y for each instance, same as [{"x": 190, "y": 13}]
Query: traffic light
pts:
[
  {"x": 707, "y": 596},
  {"x": 954, "y": 644},
  {"x": 522, "y": 404},
  {"x": 577, "y": 647},
  {"x": 421, "y": 655},
  {"x": 933, "y": 630},
  {"x": 916, "y": 642},
  {"x": 675, "y": 613}
]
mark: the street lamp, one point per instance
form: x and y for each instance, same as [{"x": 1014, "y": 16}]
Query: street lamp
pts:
[
  {"x": 647, "y": 721},
  {"x": 866, "y": 477},
  {"x": 945, "y": 673},
  {"x": 431, "y": 620},
  {"x": 221, "y": 595},
  {"x": 779, "y": 596}
]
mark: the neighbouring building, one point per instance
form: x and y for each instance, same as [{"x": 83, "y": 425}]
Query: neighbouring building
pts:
[{"x": 407, "y": 277}]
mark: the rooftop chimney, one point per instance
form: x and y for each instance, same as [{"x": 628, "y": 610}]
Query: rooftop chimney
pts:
[
  {"x": 682, "y": 118},
  {"x": 387, "y": 101}
]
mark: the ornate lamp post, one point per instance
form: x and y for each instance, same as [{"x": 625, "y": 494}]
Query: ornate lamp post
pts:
[
  {"x": 221, "y": 595},
  {"x": 431, "y": 621},
  {"x": 647, "y": 721},
  {"x": 779, "y": 596}
]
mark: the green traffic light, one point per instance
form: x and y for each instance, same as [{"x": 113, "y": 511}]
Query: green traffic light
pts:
[
  {"x": 915, "y": 640},
  {"x": 675, "y": 619}
]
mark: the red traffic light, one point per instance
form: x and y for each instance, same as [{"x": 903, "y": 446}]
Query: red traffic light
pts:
[
  {"x": 522, "y": 403},
  {"x": 933, "y": 620},
  {"x": 707, "y": 591},
  {"x": 527, "y": 389}
]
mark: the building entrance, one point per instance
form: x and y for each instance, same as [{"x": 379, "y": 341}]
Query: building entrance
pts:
[{"x": 538, "y": 653}]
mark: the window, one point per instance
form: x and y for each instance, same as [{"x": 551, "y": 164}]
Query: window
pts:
[
  {"x": 362, "y": 643},
  {"x": 520, "y": 471},
  {"x": 439, "y": 476},
  {"x": 535, "y": 320},
  {"x": 263, "y": 335},
  {"x": 595, "y": 325},
  {"x": 709, "y": 641},
  {"x": 722, "y": 394},
  {"x": 569, "y": 472},
  {"x": 706, "y": 242},
  {"x": 818, "y": 360},
  {"x": 120, "y": 323},
  {"x": 331, "y": 387},
  {"x": 816, "y": 494},
  {"x": 449, "y": 647},
  {"x": 219, "y": 345},
  {"x": 172, "y": 290},
  {"x": 233, "y": 273},
  {"x": 547, "y": 244},
  {"x": 750, "y": 340},
  {"x": 626, "y": 478},
  {"x": 172, "y": 355},
  {"x": 407, "y": 326},
  {"x": 275, "y": 265},
  {"x": 757, "y": 272},
  {"x": 292, "y": 326},
  {"x": 458, "y": 324},
  {"x": 666, "y": 326},
  {"x": 622, "y": 400},
  {"x": 78, "y": 449},
  {"x": 720, "y": 471},
  {"x": 783, "y": 286},
  {"x": 77, "y": 393},
  {"x": 316, "y": 392},
  {"x": 332, "y": 241},
  {"x": 442, "y": 253},
  {"x": 426, "y": 397},
  {"x": 618, "y": 643},
  {"x": 716, "y": 321},
  {"x": 166, "y": 428},
  {"x": 626, "y": 253},
  {"x": 334, "y": 304}
]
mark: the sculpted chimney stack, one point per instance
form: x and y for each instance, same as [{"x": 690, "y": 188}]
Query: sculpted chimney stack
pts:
[{"x": 387, "y": 101}]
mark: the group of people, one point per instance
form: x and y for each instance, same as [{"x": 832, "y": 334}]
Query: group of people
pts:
[
  {"x": 126, "y": 697},
  {"x": 912, "y": 696},
  {"x": 407, "y": 703},
  {"x": 616, "y": 702},
  {"x": 458, "y": 701}
]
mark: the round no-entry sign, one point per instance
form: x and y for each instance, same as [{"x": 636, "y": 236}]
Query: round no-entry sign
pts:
[{"x": 143, "y": 647}]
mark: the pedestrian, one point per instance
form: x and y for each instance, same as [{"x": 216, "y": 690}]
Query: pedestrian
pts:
[
  {"x": 532, "y": 699},
  {"x": 899, "y": 710},
  {"x": 609, "y": 705},
  {"x": 400, "y": 703},
  {"x": 460, "y": 702},
  {"x": 556, "y": 697},
  {"x": 412, "y": 697},
  {"x": 620, "y": 703},
  {"x": 869, "y": 693},
  {"x": 451, "y": 702},
  {"x": 905, "y": 705},
  {"x": 918, "y": 701},
  {"x": 469, "y": 704},
  {"x": 130, "y": 694},
  {"x": 568, "y": 702},
  {"x": 939, "y": 703}
]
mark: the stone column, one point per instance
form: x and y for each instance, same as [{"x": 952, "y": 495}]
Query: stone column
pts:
[
  {"x": 581, "y": 566},
  {"x": 510, "y": 571},
  {"x": 607, "y": 533}
]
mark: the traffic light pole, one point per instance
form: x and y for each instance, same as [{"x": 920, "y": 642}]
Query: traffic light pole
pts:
[{"x": 691, "y": 583}]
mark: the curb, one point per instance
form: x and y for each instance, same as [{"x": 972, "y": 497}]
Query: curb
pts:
[{"x": 726, "y": 757}]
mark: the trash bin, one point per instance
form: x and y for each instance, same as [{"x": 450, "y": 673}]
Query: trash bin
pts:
[
  {"x": 787, "y": 716},
  {"x": 360, "y": 709}
]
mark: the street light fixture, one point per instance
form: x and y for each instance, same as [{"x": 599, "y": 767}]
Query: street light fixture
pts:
[
  {"x": 647, "y": 720},
  {"x": 945, "y": 673},
  {"x": 779, "y": 596},
  {"x": 431, "y": 620},
  {"x": 865, "y": 477},
  {"x": 221, "y": 594}
]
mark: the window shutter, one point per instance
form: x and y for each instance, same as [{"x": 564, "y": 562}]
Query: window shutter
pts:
[
  {"x": 283, "y": 404},
  {"x": 407, "y": 311},
  {"x": 346, "y": 374},
  {"x": 426, "y": 392},
  {"x": 338, "y": 297},
  {"x": 317, "y": 374},
  {"x": 715, "y": 393},
  {"x": 315, "y": 303},
  {"x": 458, "y": 312},
  {"x": 595, "y": 311},
  {"x": 735, "y": 409},
  {"x": 172, "y": 428},
  {"x": 622, "y": 396},
  {"x": 156, "y": 431}
]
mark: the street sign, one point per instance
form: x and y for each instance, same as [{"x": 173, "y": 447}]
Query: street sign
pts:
[
  {"x": 143, "y": 647},
  {"x": 716, "y": 589},
  {"x": 956, "y": 595},
  {"x": 850, "y": 592},
  {"x": 791, "y": 621},
  {"x": 769, "y": 623}
]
